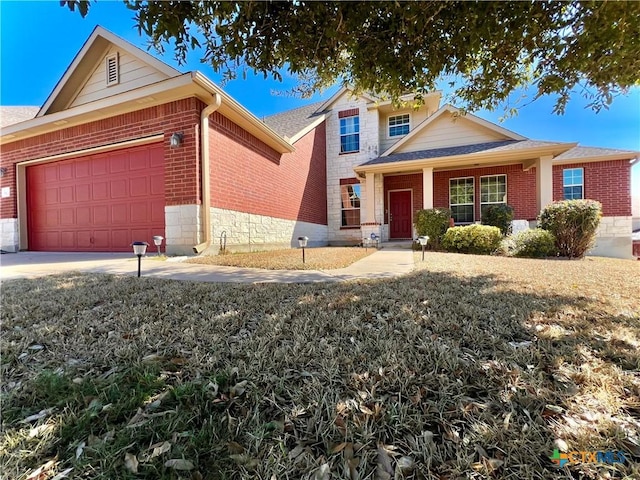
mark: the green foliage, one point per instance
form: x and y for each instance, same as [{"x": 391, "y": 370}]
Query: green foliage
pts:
[
  {"x": 478, "y": 239},
  {"x": 574, "y": 224},
  {"x": 485, "y": 49},
  {"x": 433, "y": 223},
  {"x": 498, "y": 215},
  {"x": 534, "y": 243}
]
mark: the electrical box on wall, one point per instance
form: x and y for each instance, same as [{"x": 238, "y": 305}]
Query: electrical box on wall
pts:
[{"x": 5, "y": 192}]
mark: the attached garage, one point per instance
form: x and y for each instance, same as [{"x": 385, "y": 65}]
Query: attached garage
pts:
[{"x": 98, "y": 203}]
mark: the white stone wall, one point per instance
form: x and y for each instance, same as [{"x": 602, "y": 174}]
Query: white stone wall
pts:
[
  {"x": 183, "y": 228},
  {"x": 614, "y": 238},
  {"x": 9, "y": 236},
  {"x": 341, "y": 166},
  {"x": 250, "y": 232}
]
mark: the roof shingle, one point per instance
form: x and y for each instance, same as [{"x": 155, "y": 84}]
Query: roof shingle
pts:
[{"x": 292, "y": 121}]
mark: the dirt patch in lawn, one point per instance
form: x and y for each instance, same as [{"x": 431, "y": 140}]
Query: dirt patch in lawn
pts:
[
  {"x": 469, "y": 368},
  {"x": 322, "y": 258}
]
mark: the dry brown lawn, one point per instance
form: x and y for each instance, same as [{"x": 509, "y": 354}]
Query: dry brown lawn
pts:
[
  {"x": 470, "y": 367},
  {"x": 322, "y": 258}
]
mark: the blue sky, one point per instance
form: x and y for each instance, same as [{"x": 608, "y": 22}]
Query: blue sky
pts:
[{"x": 38, "y": 40}]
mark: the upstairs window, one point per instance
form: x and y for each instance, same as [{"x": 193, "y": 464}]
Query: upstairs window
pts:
[
  {"x": 112, "y": 70},
  {"x": 349, "y": 131},
  {"x": 399, "y": 125},
  {"x": 461, "y": 199},
  {"x": 573, "y": 183}
]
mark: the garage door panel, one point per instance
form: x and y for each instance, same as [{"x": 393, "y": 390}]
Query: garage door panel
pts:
[
  {"x": 139, "y": 160},
  {"x": 138, "y": 212},
  {"x": 119, "y": 163},
  {"x": 101, "y": 239},
  {"x": 67, "y": 216},
  {"x": 100, "y": 191},
  {"x": 51, "y": 174},
  {"x": 65, "y": 171},
  {"x": 83, "y": 192},
  {"x": 119, "y": 214},
  {"x": 68, "y": 240},
  {"x": 138, "y": 187},
  {"x": 83, "y": 168},
  {"x": 84, "y": 240},
  {"x": 83, "y": 216},
  {"x": 97, "y": 203},
  {"x": 66, "y": 194},
  {"x": 99, "y": 166}
]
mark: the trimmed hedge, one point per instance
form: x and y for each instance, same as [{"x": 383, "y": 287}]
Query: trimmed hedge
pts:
[
  {"x": 534, "y": 243},
  {"x": 574, "y": 224},
  {"x": 433, "y": 223},
  {"x": 477, "y": 239},
  {"x": 498, "y": 215}
]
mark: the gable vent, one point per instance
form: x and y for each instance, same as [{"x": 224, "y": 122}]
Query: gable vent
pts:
[{"x": 113, "y": 75}]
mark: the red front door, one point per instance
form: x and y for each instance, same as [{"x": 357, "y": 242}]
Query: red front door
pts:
[{"x": 400, "y": 214}]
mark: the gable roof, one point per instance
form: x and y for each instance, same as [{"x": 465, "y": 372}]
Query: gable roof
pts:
[
  {"x": 450, "y": 109},
  {"x": 81, "y": 68},
  {"x": 325, "y": 105},
  {"x": 13, "y": 115},
  {"x": 291, "y": 122}
]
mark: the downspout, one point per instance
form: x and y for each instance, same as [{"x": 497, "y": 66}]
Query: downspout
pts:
[{"x": 206, "y": 173}]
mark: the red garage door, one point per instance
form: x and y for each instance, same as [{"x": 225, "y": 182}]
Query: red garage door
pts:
[{"x": 98, "y": 203}]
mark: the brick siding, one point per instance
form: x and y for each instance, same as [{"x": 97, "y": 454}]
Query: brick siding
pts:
[
  {"x": 521, "y": 188},
  {"x": 249, "y": 176},
  {"x": 607, "y": 182}
]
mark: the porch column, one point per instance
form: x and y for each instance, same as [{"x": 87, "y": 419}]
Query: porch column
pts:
[
  {"x": 544, "y": 181},
  {"x": 370, "y": 203},
  {"x": 427, "y": 188}
]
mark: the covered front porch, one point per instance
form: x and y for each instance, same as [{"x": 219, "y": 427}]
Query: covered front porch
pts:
[{"x": 463, "y": 179}]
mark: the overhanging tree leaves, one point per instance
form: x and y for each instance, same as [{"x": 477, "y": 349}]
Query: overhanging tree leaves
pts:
[{"x": 487, "y": 49}]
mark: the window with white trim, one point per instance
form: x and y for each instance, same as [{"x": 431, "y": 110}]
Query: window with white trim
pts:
[
  {"x": 350, "y": 199},
  {"x": 350, "y": 134},
  {"x": 112, "y": 70},
  {"x": 461, "y": 198},
  {"x": 493, "y": 190},
  {"x": 399, "y": 125},
  {"x": 573, "y": 183}
]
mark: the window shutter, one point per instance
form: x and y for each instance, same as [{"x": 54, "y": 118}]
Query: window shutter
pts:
[{"x": 113, "y": 77}]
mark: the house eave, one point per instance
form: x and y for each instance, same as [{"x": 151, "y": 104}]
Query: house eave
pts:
[
  {"x": 192, "y": 84},
  {"x": 235, "y": 112}
]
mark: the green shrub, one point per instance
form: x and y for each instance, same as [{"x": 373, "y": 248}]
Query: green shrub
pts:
[
  {"x": 433, "y": 223},
  {"x": 534, "y": 243},
  {"x": 478, "y": 239},
  {"x": 499, "y": 215},
  {"x": 573, "y": 223}
]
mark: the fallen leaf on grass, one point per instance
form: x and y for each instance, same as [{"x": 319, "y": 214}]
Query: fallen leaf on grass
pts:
[
  {"x": 245, "y": 460},
  {"x": 39, "y": 415},
  {"x": 63, "y": 474},
  {"x": 322, "y": 473},
  {"x": 179, "y": 464},
  {"x": 159, "y": 448},
  {"x": 80, "y": 449},
  {"x": 131, "y": 462},
  {"x": 40, "y": 473}
]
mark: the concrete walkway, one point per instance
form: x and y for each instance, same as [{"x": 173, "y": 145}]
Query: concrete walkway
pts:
[{"x": 387, "y": 262}]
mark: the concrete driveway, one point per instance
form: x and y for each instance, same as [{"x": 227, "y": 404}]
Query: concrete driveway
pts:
[{"x": 385, "y": 263}]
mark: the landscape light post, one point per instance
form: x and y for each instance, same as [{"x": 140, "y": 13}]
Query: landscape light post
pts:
[
  {"x": 302, "y": 241},
  {"x": 139, "y": 249},
  {"x": 423, "y": 242},
  {"x": 157, "y": 240}
]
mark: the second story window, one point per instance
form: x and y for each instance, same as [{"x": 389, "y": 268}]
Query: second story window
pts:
[
  {"x": 349, "y": 132},
  {"x": 399, "y": 125}
]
